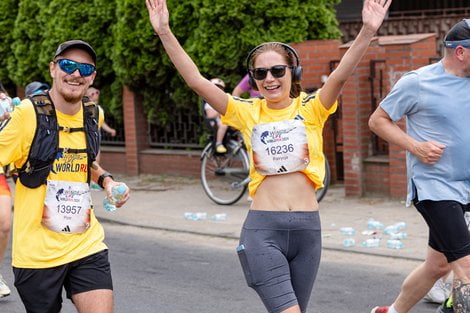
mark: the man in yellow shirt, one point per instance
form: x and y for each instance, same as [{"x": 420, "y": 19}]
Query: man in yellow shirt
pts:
[{"x": 57, "y": 240}]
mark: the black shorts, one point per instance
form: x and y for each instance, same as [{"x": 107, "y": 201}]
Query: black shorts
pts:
[
  {"x": 448, "y": 230},
  {"x": 41, "y": 289}
]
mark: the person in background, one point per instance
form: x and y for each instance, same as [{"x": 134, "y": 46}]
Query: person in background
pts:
[
  {"x": 34, "y": 88},
  {"x": 5, "y": 224},
  {"x": 212, "y": 114},
  {"x": 94, "y": 95},
  {"x": 245, "y": 87}
]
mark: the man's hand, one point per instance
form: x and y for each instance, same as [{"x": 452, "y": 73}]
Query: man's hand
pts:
[
  {"x": 428, "y": 152},
  {"x": 4, "y": 116}
]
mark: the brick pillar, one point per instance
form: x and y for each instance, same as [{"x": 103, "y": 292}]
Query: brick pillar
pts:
[
  {"x": 356, "y": 112},
  {"x": 135, "y": 125}
]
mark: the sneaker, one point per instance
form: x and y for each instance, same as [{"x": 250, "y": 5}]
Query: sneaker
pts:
[
  {"x": 439, "y": 292},
  {"x": 380, "y": 309},
  {"x": 445, "y": 307},
  {"x": 4, "y": 290},
  {"x": 220, "y": 148}
]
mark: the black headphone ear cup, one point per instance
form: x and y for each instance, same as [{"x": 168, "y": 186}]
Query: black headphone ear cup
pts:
[
  {"x": 297, "y": 74},
  {"x": 252, "y": 82}
]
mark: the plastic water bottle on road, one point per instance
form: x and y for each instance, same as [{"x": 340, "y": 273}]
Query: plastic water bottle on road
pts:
[
  {"x": 118, "y": 191},
  {"x": 374, "y": 224},
  {"x": 347, "y": 231},
  {"x": 349, "y": 242},
  {"x": 394, "y": 244},
  {"x": 371, "y": 243}
]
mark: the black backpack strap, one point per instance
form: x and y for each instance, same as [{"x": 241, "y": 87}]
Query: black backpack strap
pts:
[
  {"x": 44, "y": 146},
  {"x": 92, "y": 132}
]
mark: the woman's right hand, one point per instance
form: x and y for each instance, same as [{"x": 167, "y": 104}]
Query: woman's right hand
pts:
[{"x": 159, "y": 16}]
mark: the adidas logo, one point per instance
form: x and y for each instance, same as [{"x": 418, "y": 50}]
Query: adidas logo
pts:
[
  {"x": 66, "y": 229},
  {"x": 282, "y": 170}
]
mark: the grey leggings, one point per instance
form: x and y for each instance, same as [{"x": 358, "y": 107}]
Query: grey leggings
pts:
[{"x": 280, "y": 255}]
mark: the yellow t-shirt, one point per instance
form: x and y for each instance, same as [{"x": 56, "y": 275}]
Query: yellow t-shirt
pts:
[
  {"x": 244, "y": 114},
  {"x": 35, "y": 246}
]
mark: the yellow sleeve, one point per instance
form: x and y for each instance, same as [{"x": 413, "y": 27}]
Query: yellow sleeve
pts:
[
  {"x": 16, "y": 135},
  {"x": 238, "y": 111},
  {"x": 317, "y": 113}
]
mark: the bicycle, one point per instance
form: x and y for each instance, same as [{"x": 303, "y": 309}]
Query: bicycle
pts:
[{"x": 225, "y": 177}]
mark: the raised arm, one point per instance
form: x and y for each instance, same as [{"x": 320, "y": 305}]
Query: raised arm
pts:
[
  {"x": 159, "y": 17},
  {"x": 373, "y": 13}
]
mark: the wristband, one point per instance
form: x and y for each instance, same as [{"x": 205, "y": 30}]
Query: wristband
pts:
[{"x": 102, "y": 177}]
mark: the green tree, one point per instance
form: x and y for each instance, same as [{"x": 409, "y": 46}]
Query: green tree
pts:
[
  {"x": 217, "y": 34},
  {"x": 10, "y": 10},
  {"x": 28, "y": 33}
]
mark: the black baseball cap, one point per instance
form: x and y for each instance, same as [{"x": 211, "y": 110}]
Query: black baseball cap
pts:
[
  {"x": 77, "y": 44},
  {"x": 458, "y": 35}
]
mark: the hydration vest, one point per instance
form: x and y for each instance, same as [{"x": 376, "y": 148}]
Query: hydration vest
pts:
[{"x": 45, "y": 146}]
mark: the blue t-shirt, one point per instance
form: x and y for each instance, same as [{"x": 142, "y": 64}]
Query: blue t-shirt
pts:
[{"x": 437, "y": 107}]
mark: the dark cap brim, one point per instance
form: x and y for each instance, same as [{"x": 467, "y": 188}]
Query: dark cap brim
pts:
[{"x": 77, "y": 44}]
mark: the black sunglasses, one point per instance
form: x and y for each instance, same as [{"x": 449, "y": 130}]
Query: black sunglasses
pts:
[
  {"x": 277, "y": 71},
  {"x": 69, "y": 66}
]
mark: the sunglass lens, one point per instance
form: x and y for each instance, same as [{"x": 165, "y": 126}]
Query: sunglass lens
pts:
[
  {"x": 86, "y": 69},
  {"x": 67, "y": 66},
  {"x": 278, "y": 71},
  {"x": 260, "y": 73}
]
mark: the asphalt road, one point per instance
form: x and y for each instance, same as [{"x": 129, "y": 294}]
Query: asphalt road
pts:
[{"x": 158, "y": 272}]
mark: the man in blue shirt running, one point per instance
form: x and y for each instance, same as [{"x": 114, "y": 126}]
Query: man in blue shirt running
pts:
[{"x": 435, "y": 100}]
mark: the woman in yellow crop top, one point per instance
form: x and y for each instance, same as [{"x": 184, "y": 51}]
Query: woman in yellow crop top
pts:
[{"x": 280, "y": 243}]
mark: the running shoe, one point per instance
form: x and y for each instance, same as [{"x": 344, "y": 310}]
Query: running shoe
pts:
[
  {"x": 4, "y": 290},
  {"x": 439, "y": 292},
  {"x": 380, "y": 309},
  {"x": 445, "y": 307},
  {"x": 220, "y": 148}
]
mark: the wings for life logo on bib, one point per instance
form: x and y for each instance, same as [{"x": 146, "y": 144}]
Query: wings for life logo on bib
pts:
[
  {"x": 67, "y": 207},
  {"x": 280, "y": 147}
]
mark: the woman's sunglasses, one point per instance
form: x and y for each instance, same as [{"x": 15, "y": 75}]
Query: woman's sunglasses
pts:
[
  {"x": 277, "y": 71},
  {"x": 69, "y": 66}
]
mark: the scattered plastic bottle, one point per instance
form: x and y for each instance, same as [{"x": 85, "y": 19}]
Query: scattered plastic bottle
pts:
[
  {"x": 349, "y": 242},
  {"x": 219, "y": 217},
  {"x": 395, "y": 228},
  {"x": 374, "y": 224},
  {"x": 395, "y": 244},
  {"x": 195, "y": 216},
  {"x": 371, "y": 242},
  {"x": 118, "y": 192},
  {"x": 398, "y": 236},
  {"x": 347, "y": 231}
]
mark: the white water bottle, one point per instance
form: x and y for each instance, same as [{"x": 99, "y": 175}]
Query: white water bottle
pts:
[{"x": 118, "y": 192}]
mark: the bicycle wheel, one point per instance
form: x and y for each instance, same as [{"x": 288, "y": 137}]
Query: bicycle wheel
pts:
[
  {"x": 326, "y": 182},
  {"x": 222, "y": 174}
]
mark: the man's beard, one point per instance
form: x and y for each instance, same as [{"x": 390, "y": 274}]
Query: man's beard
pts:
[{"x": 71, "y": 97}]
